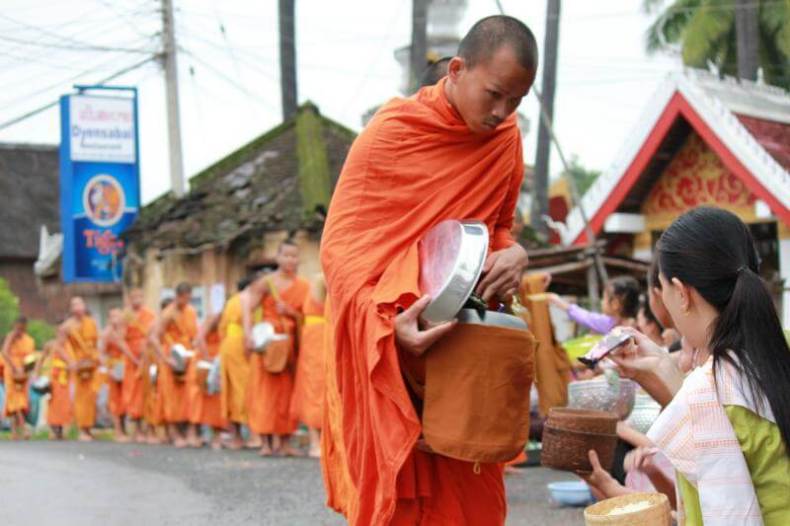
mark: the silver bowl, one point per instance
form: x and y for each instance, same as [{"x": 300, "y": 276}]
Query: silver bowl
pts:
[
  {"x": 180, "y": 356},
  {"x": 602, "y": 395},
  {"x": 41, "y": 384},
  {"x": 645, "y": 412},
  {"x": 213, "y": 380},
  {"x": 499, "y": 319},
  {"x": 153, "y": 373},
  {"x": 263, "y": 334},
  {"x": 452, "y": 255},
  {"x": 117, "y": 372}
]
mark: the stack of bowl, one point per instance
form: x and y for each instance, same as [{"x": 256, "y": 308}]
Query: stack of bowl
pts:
[{"x": 569, "y": 434}]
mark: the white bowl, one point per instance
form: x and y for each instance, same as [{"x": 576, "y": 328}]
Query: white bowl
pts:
[{"x": 570, "y": 493}]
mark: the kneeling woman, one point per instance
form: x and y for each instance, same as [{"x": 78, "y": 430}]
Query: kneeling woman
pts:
[{"x": 726, "y": 426}]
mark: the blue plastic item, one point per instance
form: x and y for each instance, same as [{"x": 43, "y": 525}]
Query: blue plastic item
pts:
[{"x": 570, "y": 493}]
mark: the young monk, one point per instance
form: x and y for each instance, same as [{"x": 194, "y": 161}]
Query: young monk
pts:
[
  {"x": 269, "y": 395},
  {"x": 17, "y": 346},
  {"x": 177, "y": 324},
  {"x": 453, "y": 151},
  {"x": 139, "y": 320},
  {"x": 59, "y": 411},
  {"x": 81, "y": 339},
  {"x": 307, "y": 402},
  {"x": 206, "y": 409},
  {"x": 113, "y": 351},
  {"x": 153, "y": 405},
  {"x": 234, "y": 357}
]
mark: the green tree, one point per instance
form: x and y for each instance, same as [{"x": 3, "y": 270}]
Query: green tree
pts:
[
  {"x": 9, "y": 308},
  {"x": 583, "y": 177},
  {"x": 40, "y": 331},
  {"x": 705, "y": 33}
]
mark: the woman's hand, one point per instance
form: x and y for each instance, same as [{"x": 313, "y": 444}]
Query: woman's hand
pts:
[
  {"x": 602, "y": 484},
  {"x": 641, "y": 459},
  {"x": 650, "y": 366}
]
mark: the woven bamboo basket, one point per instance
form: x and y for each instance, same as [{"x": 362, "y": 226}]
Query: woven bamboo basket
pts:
[
  {"x": 569, "y": 450},
  {"x": 658, "y": 513},
  {"x": 584, "y": 420}
]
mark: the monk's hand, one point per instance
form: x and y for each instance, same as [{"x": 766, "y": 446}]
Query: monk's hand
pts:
[
  {"x": 410, "y": 337},
  {"x": 502, "y": 273}
]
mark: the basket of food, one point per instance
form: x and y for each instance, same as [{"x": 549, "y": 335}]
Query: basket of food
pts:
[
  {"x": 603, "y": 393},
  {"x": 645, "y": 509},
  {"x": 569, "y": 435},
  {"x": 645, "y": 412}
]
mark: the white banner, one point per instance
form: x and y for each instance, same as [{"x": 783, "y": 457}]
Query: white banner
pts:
[{"x": 102, "y": 129}]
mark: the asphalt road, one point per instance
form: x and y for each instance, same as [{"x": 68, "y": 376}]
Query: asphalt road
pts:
[{"x": 112, "y": 484}]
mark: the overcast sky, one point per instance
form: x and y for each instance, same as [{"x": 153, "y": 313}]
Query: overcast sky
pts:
[{"x": 229, "y": 81}]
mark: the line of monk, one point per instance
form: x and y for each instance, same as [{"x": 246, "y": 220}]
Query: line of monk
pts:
[{"x": 155, "y": 396}]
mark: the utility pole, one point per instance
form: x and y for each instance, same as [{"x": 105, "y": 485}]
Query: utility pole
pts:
[
  {"x": 171, "y": 88},
  {"x": 419, "y": 42},
  {"x": 287, "y": 58},
  {"x": 540, "y": 192},
  {"x": 747, "y": 37}
]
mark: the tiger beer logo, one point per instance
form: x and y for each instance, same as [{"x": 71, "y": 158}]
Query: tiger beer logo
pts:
[{"x": 104, "y": 200}]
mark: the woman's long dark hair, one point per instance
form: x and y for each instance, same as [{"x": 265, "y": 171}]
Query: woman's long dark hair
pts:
[{"x": 713, "y": 251}]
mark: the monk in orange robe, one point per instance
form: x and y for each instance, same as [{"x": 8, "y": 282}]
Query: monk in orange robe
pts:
[
  {"x": 307, "y": 402},
  {"x": 115, "y": 354},
  {"x": 206, "y": 409},
  {"x": 452, "y": 151},
  {"x": 234, "y": 353},
  {"x": 81, "y": 339},
  {"x": 17, "y": 347},
  {"x": 59, "y": 410},
  {"x": 177, "y": 324},
  {"x": 138, "y": 319},
  {"x": 269, "y": 394},
  {"x": 153, "y": 405}
]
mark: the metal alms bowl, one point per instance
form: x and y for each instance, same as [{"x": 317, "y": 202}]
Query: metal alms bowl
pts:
[
  {"x": 498, "y": 319},
  {"x": 181, "y": 356},
  {"x": 263, "y": 333},
  {"x": 452, "y": 255}
]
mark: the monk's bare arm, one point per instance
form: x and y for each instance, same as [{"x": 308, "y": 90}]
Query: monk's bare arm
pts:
[
  {"x": 158, "y": 331},
  {"x": 6, "y": 352},
  {"x": 203, "y": 331},
  {"x": 246, "y": 320}
]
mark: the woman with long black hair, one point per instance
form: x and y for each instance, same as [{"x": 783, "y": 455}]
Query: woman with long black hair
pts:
[{"x": 726, "y": 426}]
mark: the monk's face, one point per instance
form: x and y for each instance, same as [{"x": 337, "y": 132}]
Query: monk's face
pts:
[
  {"x": 288, "y": 259},
  {"x": 136, "y": 298},
  {"x": 20, "y": 327},
  {"x": 77, "y": 307},
  {"x": 116, "y": 318},
  {"x": 182, "y": 300},
  {"x": 486, "y": 94}
]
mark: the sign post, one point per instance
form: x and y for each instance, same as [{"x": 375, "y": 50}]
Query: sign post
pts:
[{"x": 99, "y": 180}]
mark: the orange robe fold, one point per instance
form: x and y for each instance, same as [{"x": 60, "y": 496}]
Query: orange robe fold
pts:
[
  {"x": 206, "y": 409},
  {"x": 59, "y": 411},
  {"x": 307, "y": 402},
  {"x": 115, "y": 395},
  {"x": 139, "y": 324},
  {"x": 173, "y": 391},
  {"x": 82, "y": 338},
  {"x": 16, "y": 394},
  {"x": 552, "y": 367},
  {"x": 235, "y": 365},
  {"x": 414, "y": 165},
  {"x": 269, "y": 395}
]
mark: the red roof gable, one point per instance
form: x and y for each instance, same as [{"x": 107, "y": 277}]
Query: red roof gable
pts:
[{"x": 773, "y": 136}]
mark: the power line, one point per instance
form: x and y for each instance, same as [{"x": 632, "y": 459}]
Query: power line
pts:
[
  {"x": 86, "y": 47},
  {"x": 54, "y": 103}
]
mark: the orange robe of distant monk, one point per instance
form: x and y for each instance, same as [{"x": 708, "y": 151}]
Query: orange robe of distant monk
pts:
[
  {"x": 414, "y": 165},
  {"x": 59, "y": 410},
  {"x": 115, "y": 396},
  {"x": 174, "y": 391},
  {"x": 269, "y": 395},
  {"x": 206, "y": 409},
  {"x": 552, "y": 366},
  {"x": 235, "y": 366},
  {"x": 138, "y": 325},
  {"x": 307, "y": 402},
  {"x": 16, "y": 398},
  {"x": 82, "y": 338}
]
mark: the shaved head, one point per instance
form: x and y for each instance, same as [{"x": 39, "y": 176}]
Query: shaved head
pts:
[{"x": 489, "y": 34}]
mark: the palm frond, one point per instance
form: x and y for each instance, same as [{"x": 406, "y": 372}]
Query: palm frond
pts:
[{"x": 705, "y": 34}]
